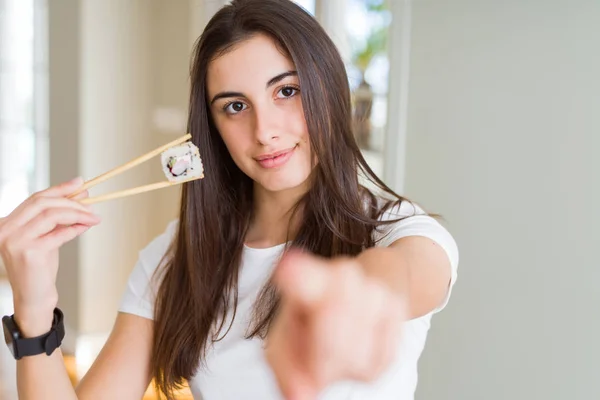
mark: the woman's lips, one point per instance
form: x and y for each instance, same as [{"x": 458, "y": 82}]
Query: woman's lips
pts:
[{"x": 276, "y": 159}]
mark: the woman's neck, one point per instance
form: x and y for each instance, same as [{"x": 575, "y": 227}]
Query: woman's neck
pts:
[{"x": 271, "y": 218}]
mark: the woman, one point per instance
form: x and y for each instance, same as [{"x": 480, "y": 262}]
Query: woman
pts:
[{"x": 220, "y": 299}]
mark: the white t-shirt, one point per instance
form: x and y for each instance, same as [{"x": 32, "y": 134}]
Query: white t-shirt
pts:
[{"x": 236, "y": 368}]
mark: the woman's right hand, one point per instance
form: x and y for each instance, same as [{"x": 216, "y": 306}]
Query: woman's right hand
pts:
[{"x": 29, "y": 241}]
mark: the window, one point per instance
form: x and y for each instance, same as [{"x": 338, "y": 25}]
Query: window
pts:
[
  {"x": 308, "y": 5},
  {"x": 23, "y": 73},
  {"x": 360, "y": 29},
  {"x": 367, "y": 27}
]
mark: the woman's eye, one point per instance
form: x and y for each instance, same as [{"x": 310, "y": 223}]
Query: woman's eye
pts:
[
  {"x": 234, "y": 107},
  {"x": 287, "y": 91}
]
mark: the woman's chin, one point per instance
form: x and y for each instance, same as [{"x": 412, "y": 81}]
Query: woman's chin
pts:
[{"x": 283, "y": 184}]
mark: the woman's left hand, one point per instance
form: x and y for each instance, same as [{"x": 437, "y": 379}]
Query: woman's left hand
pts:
[{"x": 334, "y": 324}]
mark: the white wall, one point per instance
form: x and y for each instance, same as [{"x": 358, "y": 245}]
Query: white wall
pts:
[
  {"x": 115, "y": 127},
  {"x": 503, "y": 135},
  {"x": 63, "y": 124},
  {"x": 113, "y": 64},
  {"x": 116, "y": 68}
]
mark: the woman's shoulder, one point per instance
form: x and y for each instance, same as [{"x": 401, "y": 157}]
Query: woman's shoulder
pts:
[
  {"x": 392, "y": 209},
  {"x": 406, "y": 218},
  {"x": 386, "y": 208},
  {"x": 402, "y": 218}
]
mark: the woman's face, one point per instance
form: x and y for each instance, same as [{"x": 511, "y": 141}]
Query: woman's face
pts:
[{"x": 254, "y": 98}]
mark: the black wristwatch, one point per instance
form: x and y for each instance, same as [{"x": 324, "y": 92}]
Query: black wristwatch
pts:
[{"x": 22, "y": 347}]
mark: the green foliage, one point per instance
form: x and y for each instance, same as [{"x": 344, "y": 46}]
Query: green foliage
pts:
[
  {"x": 376, "y": 5},
  {"x": 378, "y": 38},
  {"x": 376, "y": 44}
]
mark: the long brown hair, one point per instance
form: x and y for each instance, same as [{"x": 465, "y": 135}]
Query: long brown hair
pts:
[{"x": 199, "y": 281}]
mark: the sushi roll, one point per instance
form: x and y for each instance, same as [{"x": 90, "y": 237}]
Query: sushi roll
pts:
[{"x": 183, "y": 162}]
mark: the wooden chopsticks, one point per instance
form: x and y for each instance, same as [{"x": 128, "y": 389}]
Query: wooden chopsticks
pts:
[{"x": 119, "y": 170}]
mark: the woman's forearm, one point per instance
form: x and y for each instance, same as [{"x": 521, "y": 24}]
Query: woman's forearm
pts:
[
  {"x": 44, "y": 377},
  {"x": 40, "y": 377},
  {"x": 415, "y": 268}
]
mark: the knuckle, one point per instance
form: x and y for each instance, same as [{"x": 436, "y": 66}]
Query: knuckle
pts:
[
  {"x": 47, "y": 213},
  {"x": 10, "y": 247},
  {"x": 37, "y": 201},
  {"x": 37, "y": 196}
]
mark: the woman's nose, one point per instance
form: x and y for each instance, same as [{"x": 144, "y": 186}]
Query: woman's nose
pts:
[{"x": 267, "y": 126}]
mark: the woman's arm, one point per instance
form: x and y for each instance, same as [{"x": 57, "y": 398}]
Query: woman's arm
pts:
[
  {"x": 342, "y": 318},
  {"x": 414, "y": 267},
  {"x": 41, "y": 376},
  {"x": 30, "y": 238},
  {"x": 121, "y": 371}
]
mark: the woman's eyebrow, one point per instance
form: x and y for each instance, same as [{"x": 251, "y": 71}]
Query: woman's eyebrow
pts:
[
  {"x": 225, "y": 95},
  {"x": 279, "y": 77},
  {"x": 271, "y": 82}
]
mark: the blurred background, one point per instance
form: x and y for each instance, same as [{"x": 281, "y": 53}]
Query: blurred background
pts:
[{"x": 486, "y": 112}]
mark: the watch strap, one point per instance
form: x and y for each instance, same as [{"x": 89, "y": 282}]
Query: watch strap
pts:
[{"x": 45, "y": 343}]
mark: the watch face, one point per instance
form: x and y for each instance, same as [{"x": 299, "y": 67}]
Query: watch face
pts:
[{"x": 10, "y": 333}]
